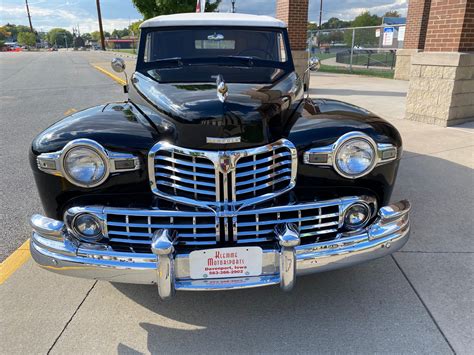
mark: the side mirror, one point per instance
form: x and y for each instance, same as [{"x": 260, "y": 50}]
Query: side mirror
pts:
[
  {"x": 118, "y": 65},
  {"x": 314, "y": 64}
]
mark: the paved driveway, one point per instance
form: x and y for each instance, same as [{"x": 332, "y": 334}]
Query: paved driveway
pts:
[{"x": 419, "y": 300}]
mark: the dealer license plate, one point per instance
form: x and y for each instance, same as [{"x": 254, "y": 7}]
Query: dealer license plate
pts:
[{"x": 225, "y": 262}]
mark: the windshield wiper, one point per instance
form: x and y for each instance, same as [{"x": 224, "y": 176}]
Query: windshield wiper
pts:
[
  {"x": 237, "y": 58},
  {"x": 170, "y": 62}
]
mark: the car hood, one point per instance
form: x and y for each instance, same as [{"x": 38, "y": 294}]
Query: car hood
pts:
[{"x": 256, "y": 113}]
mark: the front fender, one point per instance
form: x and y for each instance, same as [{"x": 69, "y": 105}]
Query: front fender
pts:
[
  {"x": 321, "y": 124},
  {"x": 118, "y": 127}
]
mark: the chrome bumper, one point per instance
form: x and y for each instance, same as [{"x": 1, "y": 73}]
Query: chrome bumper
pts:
[{"x": 54, "y": 251}]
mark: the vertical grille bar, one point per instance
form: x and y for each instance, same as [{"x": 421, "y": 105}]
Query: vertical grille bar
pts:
[
  {"x": 173, "y": 165},
  {"x": 218, "y": 184},
  {"x": 194, "y": 178},
  {"x": 218, "y": 227},
  {"x": 150, "y": 231},
  {"x": 254, "y": 176},
  {"x": 273, "y": 164}
]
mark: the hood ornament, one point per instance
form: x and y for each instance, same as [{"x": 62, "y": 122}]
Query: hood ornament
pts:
[{"x": 222, "y": 89}]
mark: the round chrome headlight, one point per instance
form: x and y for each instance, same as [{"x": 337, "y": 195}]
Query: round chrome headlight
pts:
[
  {"x": 355, "y": 158},
  {"x": 85, "y": 166},
  {"x": 356, "y": 216},
  {"x": 87, "y": 227}
]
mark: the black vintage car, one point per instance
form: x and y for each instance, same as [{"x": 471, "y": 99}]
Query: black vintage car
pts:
[{"x": 216, "y": 173}]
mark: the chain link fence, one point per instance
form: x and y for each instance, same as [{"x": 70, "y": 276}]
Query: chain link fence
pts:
[{"x": 372, "y": 47}]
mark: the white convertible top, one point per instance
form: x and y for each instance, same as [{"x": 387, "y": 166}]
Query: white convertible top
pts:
[{"x": 213, "y": 19}]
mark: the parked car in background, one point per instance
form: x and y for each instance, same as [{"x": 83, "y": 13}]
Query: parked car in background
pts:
[{"x": 217, "y": 172}]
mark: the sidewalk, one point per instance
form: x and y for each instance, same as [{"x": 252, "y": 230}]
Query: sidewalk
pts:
[{"x": 419, "y": 300}]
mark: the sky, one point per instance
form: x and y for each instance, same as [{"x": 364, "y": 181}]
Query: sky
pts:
[{"x": 47, "y": 14}]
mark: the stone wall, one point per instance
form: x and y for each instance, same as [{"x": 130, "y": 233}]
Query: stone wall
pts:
[
  {"x": 441, "y": 89},
  {"x": 403, "y": 65}
]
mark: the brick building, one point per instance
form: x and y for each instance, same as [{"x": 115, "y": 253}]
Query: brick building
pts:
[
  {"x": 438, "y": 58},
  {"x": 295, "y": 14}
]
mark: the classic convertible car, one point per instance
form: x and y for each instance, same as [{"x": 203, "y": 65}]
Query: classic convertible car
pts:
[{"x": 218, "y": 172}]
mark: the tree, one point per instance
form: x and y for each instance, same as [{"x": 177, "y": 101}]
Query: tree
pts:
[
  {"x": 392, "y": 13},
  {"x": 26, "y": 39},
  {"x": 58, "y": 36},
  {"x": 366, "y": 19},
  {"x": 95, "y": 35},
  {"x": 312, "y": 26},
  {"x": 152, "y": 8},
  {"x": 364, "y": 37},
  {"x": 121, "y": 33},
  {"x": 4, "y": 33},
  {"x": 78, "y": 42},
  {"x": 334, "y": 22},
  {"x": 86, "y": 36},
  {"x": 134, "y": 28},
  {"x": 14, "y": 30}
]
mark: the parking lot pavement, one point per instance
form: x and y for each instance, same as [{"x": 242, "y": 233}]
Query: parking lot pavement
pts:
[
  {"x": 369, "y": 307},
  {"x": 385, "y": 97},
  {"x": 36, "y": 90},
  {"x": 419, "y": 300}
]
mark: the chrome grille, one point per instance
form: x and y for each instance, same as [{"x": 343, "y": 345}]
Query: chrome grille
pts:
[
  {"x": 256, "y": 226},
  {"x": 180, "y": 174},
  {"x": 263, "y": 173},
  {"x": 222, "y": 178},
  {"x": 132, "y": 229}
]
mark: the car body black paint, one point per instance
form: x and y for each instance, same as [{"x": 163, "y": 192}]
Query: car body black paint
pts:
[{"x": 187, "y": 114}]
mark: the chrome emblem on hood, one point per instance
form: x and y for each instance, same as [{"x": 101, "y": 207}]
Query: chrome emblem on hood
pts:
[
  {"x": 222, "y": 89},
  {"x": 225, "y": 163},
  {"x": 216, "y": 140}
]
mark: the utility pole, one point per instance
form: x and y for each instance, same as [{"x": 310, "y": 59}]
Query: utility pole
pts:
[
  {"x": 29, "y": 16},
  {"x": 233, "y": 6},
  {"x": 101, "y": 30},
  {"x": 320, "y": 22}
]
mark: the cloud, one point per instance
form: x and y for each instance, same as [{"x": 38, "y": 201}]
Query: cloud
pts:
[
  {"x": 343, "y": 9},
  {"x": 46, "y": 18},
  {"x": 348, "y": 9},
  {"x": 47, "y": 14}
]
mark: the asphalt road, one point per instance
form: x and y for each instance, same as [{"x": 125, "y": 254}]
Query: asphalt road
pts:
[{"x": 36, "y": 90}]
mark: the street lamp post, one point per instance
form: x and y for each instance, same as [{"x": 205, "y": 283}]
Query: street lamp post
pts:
[{"x": 65, "y": 39}]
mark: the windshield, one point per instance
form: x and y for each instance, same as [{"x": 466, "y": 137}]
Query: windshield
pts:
[{"x": 240, "y": 55}]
